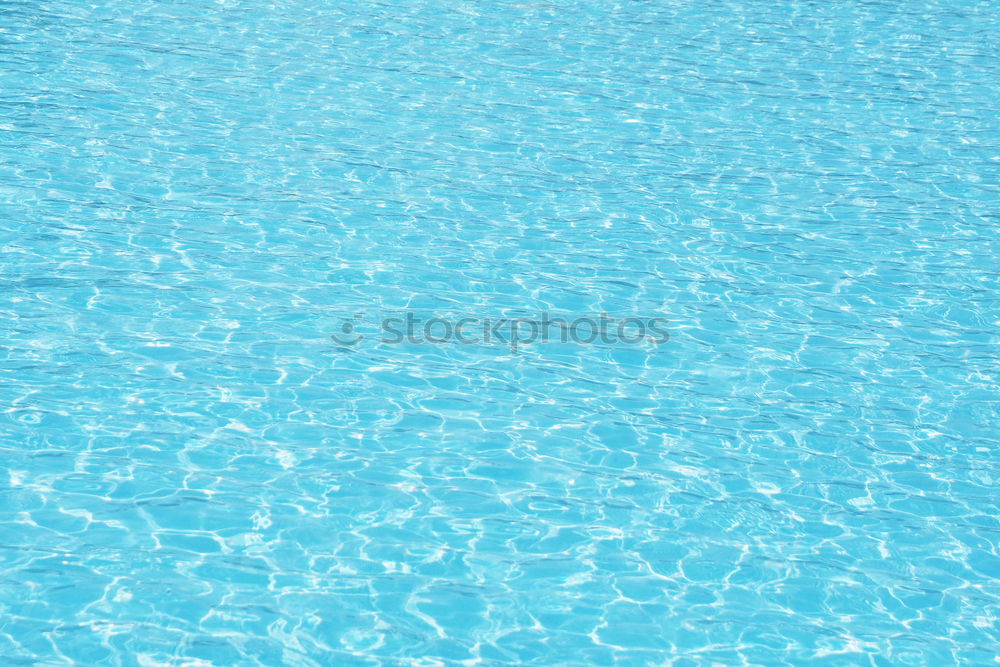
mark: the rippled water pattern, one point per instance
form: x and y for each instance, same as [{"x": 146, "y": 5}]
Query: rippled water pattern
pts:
[{"x": 195, "y": 195}]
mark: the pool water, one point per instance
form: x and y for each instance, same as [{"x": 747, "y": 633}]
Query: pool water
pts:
[{"x": 197, "y": 199}]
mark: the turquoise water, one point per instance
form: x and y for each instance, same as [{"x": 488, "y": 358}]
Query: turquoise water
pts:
[{"x": 199, "y": 199}]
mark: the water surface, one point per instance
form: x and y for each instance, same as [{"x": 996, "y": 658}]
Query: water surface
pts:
[{"x": 195, "y": 195}]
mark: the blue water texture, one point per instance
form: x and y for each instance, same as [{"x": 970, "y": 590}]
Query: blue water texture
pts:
[{"x": 196, "y": 196}]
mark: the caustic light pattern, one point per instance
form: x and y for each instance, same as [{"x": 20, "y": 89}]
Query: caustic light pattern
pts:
[{"x": 195, "y": 195}]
